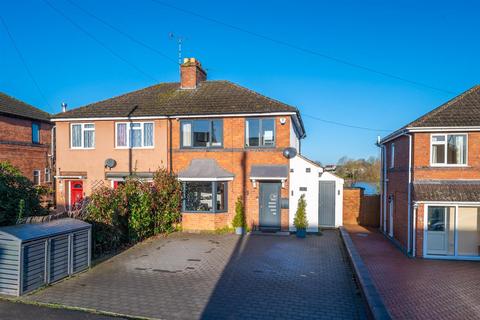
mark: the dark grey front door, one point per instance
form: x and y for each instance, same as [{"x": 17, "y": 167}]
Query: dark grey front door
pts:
[
  {"x": 326, "y": 204},
  {"x": 269, "y": 202}
]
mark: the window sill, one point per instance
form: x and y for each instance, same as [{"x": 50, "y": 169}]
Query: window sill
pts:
[
  {"x": 203, "y": 212},
  {"x": 82, "y": 148},
  {"x": 134, "y": 148},
  {"x": 200, "y": 148},
  {"x": 449, "y": 165}
]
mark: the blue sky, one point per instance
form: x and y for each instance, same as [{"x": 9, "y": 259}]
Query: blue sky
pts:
[{"x": 433, "y": 42}]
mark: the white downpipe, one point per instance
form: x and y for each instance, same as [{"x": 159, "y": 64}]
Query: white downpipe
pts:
[
  {"x": 409, "y": 238},
  {"x": 385, "y": 188},
  {"x": 414, "y": 234}
]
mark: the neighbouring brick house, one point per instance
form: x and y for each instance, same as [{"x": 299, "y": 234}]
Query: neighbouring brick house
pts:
[
  {"x": 224, "y": 141},
  {"x": 431, "y": 182},
  {"x": 25, "y": 139}
]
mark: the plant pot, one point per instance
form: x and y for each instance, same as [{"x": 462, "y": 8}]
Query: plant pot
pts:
[
  {"x": 301, "y": 233},
  {"x": 238, "y": 230}
]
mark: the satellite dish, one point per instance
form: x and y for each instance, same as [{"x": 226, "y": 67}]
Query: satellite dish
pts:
[
  {"x": 289, "y": 153},
  {"x": 110, "y": 163}
]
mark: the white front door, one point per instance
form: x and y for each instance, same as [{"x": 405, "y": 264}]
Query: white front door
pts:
[
  {"x": 390, "y": 217},
  {"x": 437, "y": 230}
]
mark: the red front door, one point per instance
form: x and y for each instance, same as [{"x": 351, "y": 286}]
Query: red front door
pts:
[{"x": 76, "y": 192}]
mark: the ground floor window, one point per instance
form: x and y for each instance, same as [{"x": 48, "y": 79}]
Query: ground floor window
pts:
[
  {"x": 204, "y": 196},
  {"x": 453, "y": 231}
]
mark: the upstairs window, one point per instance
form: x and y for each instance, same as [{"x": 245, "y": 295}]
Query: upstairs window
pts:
[
  {"x": 134, "y": 134},
  {"x": 260, "y": 132},
  {"x": 35, "y": 133},
  {"x": 449, "y": 149},
  {"x": 201, "y": 133},
  {"x": 82, "y": 136},
  {"x": 392, "y": 155}
]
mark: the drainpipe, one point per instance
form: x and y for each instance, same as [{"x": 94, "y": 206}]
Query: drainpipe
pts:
[
  {"x": 53, "y": 164},
  {"x": 409, "y": 238},
  {"x": 383, "y": 184},
  {"x": 414, "y": 227}
]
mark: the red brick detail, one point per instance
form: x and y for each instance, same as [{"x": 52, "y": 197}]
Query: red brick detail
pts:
[
  {"x": 238, "y": 160},
  {"x": 191, "y": 73},
  {"x": 16, "y": 145}
]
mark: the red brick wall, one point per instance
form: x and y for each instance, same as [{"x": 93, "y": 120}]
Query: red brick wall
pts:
[
  {"x": 234, "y": 158},
  {"x": 423, "y": 171},
  {"x": 17, "y": 148},
  {"x": 351, "y": 205},
  {"x": 419, "y": 230},
  {"x": 397, "y": 186}
]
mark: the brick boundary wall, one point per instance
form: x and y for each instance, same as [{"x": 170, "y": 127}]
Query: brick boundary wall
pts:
[{"x": 359, "y": 208}]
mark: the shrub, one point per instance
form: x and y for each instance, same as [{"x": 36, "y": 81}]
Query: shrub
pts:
[
  {"x": 239, "y": 219},
  {"x": 134, "y": 211},
  {"x": 19, "y": 198},
  {"x": 300, "y": 221}
]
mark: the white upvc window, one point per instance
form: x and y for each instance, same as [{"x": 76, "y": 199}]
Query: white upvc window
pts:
[
  {"x": 134, "y": 134},
  {"x": 82, "y": 136},
  {"x": 448, "y": 149},
  {"x": 392, "y": 155}
]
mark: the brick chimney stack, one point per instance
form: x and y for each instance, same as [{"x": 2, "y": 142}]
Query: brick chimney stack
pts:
[{"x": 191, "y": 73}]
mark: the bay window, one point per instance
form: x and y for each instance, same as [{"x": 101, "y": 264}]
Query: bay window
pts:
[
  {"x": 259, "y": 132},
  {"x": 134, "y": 134},
  {"x": 204, "y": 196},
  {"x": 201, "y": 133},
  {"x": 82, "y": 136},
  {"x": 449, "y": 149}
]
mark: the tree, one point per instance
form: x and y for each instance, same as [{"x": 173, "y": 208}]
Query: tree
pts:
[
  {"x": 359, "y": 170},
  {"x": 300, "y": 221},
  {"x": 19, "y": 197}
]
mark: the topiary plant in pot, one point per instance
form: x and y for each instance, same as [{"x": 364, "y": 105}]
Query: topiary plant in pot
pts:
[
  {"x": 300, "y": 221},
  {"x": 239, "y": 219}
]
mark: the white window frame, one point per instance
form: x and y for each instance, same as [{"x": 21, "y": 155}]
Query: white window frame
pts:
[
  {"x": 48, "y": 174},
  {"x": 455, "y": 205},
  {"x": 83, "y": 129},
  {"x": 39, "y": 177},
  {"x": 142, "y": 125},
  {"x": 445, "y": 143},
  {"x": 392, "y": 155}
]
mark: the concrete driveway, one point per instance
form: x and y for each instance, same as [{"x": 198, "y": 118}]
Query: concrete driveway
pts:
[{"x": 187, "y": 276}]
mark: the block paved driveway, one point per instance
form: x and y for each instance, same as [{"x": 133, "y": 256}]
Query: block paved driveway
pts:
[
  {"x": 418, "y": 288},
  {"x": 188, "y": 276}
]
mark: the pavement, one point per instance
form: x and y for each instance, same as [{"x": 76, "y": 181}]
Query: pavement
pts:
[
  {"x": 206, "y": 276},
  {"x": 418, "y": 288},
  {"x": 15, "y": 310}
]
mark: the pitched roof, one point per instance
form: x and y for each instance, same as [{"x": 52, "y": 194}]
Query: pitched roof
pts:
[
  {"x": 14, "y": 107},
  {"x": 444, "y": 190},
  {"x": 168, "y": 99},
  {"x": 461, "y": 111}
]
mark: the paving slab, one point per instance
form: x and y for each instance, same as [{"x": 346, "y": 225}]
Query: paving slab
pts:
[
  {"x": 418, "y": 288},
  {"x": 206, "y": 276}
]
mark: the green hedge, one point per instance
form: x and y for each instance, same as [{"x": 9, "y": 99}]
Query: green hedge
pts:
[
  {"x": 19, "y": 197},
  {"x": 134, "y": 211}
]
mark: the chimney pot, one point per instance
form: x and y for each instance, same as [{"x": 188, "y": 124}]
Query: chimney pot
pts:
[
  {"x": 64, "y": 107},
  {"x": 191, "y": 73}
]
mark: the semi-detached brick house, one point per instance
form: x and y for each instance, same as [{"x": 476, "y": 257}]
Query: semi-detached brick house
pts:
[
  {"x": 224, "y": 141},
  {"x": 431, "y": 182},
  {"x": 25, "y": 139}
]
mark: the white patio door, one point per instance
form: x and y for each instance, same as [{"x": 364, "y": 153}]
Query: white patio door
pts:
[{"x": 438, "y": 230}]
